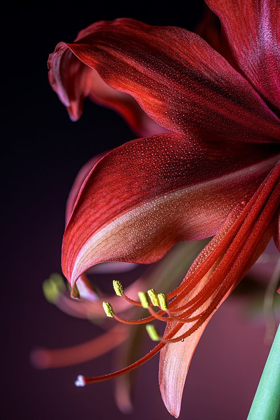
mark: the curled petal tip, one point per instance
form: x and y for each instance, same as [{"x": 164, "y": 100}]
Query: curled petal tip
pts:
[{"x": 74, "y": 113}]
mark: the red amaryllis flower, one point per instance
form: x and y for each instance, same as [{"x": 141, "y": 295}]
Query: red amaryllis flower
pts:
[{"x": 209, "y": 166}]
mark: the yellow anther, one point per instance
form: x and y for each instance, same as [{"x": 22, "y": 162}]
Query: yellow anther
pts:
[
  {"x": 75, "y": 294},
  {"x": 151, "y": 330},
  {"x": 57, "y": 278},
  {"x": 53, "y": 287},
  {"x": 143, "y": 299},
  {"x": 118, "y": 287},
  {"x": 163, "y": 301},
  {"x": 154, "y": 297},
  {"x": 108, "y": 309},
  {"x": 51, "y": 291}
]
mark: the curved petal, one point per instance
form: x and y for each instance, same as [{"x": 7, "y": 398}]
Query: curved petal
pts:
[
  {"x": 73, "y": 82},
  {"x": 143, "y": 197},
  {"x": 82, "y": 174},
  {"x": 252, "y": 35},
  {"x": 175, "y": 76},
  {"x": 175, "y": 360},
  {"x": 249, "y": 236}
]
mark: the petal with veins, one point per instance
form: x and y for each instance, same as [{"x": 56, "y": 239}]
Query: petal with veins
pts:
[
  {"x": 73, "y": 81},
  {"x": 251, "y": 36},
  {"x": 128, "y": 211},
  {"x": 173, "y": 74}
]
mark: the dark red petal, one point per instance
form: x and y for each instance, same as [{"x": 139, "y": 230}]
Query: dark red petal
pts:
[
  {"x": 209, "y": 28},
  {"x": 73, "y": 82},
  {"x": 143, "y": 197},
  {"x": 176, "y": 77},
  {"x": 277, "y": 234},
  {"x": 251, "y": 34}
]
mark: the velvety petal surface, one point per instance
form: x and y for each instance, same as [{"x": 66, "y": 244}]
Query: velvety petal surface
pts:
[
  {"x": 175, "y": 76},
  {"x": 251, "y": 34},
  {"x": 143, "y": 197}
]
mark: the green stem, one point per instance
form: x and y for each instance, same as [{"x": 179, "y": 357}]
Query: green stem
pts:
[{"x": 266, "y": 404}]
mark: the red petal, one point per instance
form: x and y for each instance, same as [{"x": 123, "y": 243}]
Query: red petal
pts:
[
  {"x": 252, "y": 35},
  {"x": 82, "y": 174},
  {"x": 176, "y": 77},
  {"x": 148, "y": 194},
  {"x": 277, "y": 235},
  {"x": 236, "y": 247},
  {"x": 73, "y": 82}
]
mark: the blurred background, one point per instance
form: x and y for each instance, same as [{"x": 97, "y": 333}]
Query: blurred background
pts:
[{"x": 43, "y": 151}]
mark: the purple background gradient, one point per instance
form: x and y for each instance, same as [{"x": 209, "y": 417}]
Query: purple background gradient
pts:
[{"x": 43, "y": 152}]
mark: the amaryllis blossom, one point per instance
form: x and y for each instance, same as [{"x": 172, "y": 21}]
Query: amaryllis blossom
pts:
[{"x": 208, "y": 164}]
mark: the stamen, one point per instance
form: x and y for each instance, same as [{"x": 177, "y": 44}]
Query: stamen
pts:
[
  {"x": 171, "y": 317},
  {"x": 51, "y": 291},
  {"x": 143, "y": 299},
  {"x": 108, "y": 309},
  {"x": 133, "y": 322},
  {"x": 163, "y": 301},
  {"x": 152, "y": 331},
  {"x": 118, "y": 287},
  {"x": 80, "y": 381},
  {"x": 134, "y": 365},
  {"x": 92, "y": 349},
  {"x": 249, "y": 212},
  {"x": 154, "y": 297},
  {"x": 158, "y": 315},
  {"x": 237, "y": 263}
]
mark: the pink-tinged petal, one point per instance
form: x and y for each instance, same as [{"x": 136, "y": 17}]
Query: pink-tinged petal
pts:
[
  {"x": 175, "y": 360},
  {"x": 175, "y": 76},
  {"x": 251, "y": 35},
  {"x": 82, "y": 174},
  {"x": 73, "y": 82},
  {"x": 148, "y": 194},
  {"x": 214, "y": 274}
]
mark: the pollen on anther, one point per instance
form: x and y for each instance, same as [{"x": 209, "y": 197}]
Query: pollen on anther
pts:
[
  {"x": 108, "y": 309},
  {"x": 163, "y": 301},
  {"x": 153, "y": 334},
  {"x": 80, "y": 381},
  {"x": 143, "y": 299},
  {"x": 51, "y": 291},
  {"x": 118, "y": 287},
  {"x": 154, "y": 297}
]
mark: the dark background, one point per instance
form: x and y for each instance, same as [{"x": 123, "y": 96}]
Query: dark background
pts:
[{"x": 42, "y": 151}]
